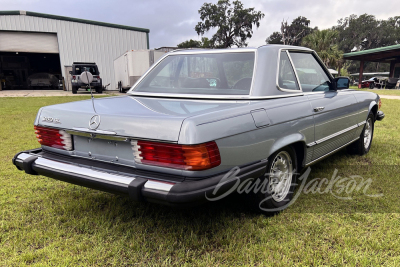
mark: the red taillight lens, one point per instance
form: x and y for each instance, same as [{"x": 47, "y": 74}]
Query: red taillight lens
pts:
[
  {"x": 73, "y": 77},
  {"x": 53, "y": 138},
  {"x": 188, "y": 157},
  {"x": 380, "y": 104}
]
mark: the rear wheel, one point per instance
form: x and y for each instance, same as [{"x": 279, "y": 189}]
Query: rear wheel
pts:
[
  {"x": 281, "y": 175},
  {"x": 99, "y": 90},
  {"x": 363, "y": 144},
  {"x": 74, "y": 89}
]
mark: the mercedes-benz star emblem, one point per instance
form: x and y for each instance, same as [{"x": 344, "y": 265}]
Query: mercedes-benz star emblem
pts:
[{"x": 94, "y": 122}]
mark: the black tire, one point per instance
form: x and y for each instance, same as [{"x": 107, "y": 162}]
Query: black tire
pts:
[
  {"x": 99, "y": 90},
  {"x": 74, "y": 89},
  {"x": 371, "y": 86},
  {"x": 120, "y": 87},
  {"x": 266, "y": 200},
  {"x": 362, "y": 146}
]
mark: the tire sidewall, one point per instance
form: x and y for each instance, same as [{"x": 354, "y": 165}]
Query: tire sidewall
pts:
[
  {"x": 366, "y": 150},
  {"x": 270, "y": 203}
]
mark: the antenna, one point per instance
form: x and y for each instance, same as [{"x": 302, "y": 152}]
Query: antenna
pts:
[{"x": 88, "y": 80}]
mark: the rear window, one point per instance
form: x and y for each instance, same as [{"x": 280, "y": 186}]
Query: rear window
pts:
[
  {"x": 78, "y": 69},
  {"x": 209, "y": 74}
]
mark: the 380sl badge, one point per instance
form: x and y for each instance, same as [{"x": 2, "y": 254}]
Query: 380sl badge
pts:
[{"x": 51, "y": 120}]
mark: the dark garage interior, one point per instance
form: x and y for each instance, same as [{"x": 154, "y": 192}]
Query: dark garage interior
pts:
[{"x": 29, "y": 70}]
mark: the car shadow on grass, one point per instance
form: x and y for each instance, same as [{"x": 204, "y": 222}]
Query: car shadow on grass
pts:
[{"x": 74, "y": 205}]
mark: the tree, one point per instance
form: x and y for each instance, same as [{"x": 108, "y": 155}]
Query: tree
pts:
[
  {"x": 274, "y": 38},
  {"x": 189, "y": 44},
  {"x": 204, "y": 43},
  {"x": 366, "y": 32},
  {"x": 234, "y": 24},
  {"x": 324, "y": 42},
  {"x": 291, "y": 34},
  {"x": 363, "y": 32}
]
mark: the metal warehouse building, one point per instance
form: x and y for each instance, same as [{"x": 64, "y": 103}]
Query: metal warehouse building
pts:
[{"x": 33, "y": 42}]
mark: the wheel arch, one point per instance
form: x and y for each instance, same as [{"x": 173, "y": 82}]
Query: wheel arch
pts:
[
  {"x": 373, "y": 107},
  {"x": 297, "y": 142}
]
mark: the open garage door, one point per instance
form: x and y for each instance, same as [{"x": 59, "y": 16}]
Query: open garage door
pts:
[
  {"x": 29, "y": 60},
  {"x": 31, "y": 42}
]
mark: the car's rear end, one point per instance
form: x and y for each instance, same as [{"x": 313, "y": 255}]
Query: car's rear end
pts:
[
  {"x": 131, "y": 146},
  {"x": 41, "y": 80}
]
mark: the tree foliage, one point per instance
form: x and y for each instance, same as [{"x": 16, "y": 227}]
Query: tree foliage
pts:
[
  {"x": 189, "y": 44},
  {"x": 274, "y": 38},
  {"x": 291, "y": 34},
  {"x": 233, "y": 22},
  {"x": 324, "y": 42},
  {"x": 366, "y": 32},
  {"x": 204, "y": 43}
]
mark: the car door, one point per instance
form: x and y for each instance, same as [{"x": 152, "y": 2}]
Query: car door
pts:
[{"x": 335, "y": 112}]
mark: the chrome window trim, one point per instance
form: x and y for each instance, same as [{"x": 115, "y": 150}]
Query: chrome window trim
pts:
[
  {"x": 335, "y": 134},
  {"x": 254, "y": 72},
  {"x": 219, "y": 97},
  {"x": 294, "y": 71},
  {"x": 319, "y": 61},
  {"x": 211, "y": 51},
  {"x": 131, "y": 91}
]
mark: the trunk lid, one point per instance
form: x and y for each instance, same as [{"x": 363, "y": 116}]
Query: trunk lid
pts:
[{"x": 136, "y": 117}]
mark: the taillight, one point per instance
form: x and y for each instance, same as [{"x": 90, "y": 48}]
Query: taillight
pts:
[
  {"x": 187, "y": 157},
  {"x": 53, "y": 138},
  {"x": 380, "y": 104},
  {"x": 73, "y": 77}
]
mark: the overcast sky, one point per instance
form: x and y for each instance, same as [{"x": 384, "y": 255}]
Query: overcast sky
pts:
[{"x": 171, "y": 22}]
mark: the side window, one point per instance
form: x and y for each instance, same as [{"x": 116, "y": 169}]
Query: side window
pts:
[
  {"x": 286, "y": 77},
  {"x": 311, "y": 75}
]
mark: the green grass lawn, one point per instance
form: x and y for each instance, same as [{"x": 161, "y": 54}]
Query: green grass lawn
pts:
[
  {"x": 48, "y": 222},
  {"x": 380, "y": 91}
]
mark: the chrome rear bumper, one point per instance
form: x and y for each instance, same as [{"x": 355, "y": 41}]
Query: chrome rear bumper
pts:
[{"x": 138, "y": 187}]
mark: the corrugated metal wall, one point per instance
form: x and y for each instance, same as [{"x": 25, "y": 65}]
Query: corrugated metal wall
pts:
[
  {"x": 36, "y": 42},
  {"x": 82, "y": 42}
]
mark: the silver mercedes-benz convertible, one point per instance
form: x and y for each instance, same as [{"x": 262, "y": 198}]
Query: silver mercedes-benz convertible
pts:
[{"x": 199, "y": 122}]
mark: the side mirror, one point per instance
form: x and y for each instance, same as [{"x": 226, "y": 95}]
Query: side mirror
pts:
[{"x": 342, "y": 83}]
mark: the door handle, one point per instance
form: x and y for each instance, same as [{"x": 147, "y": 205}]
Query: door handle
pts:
[{"x": 318, "y": 109}]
